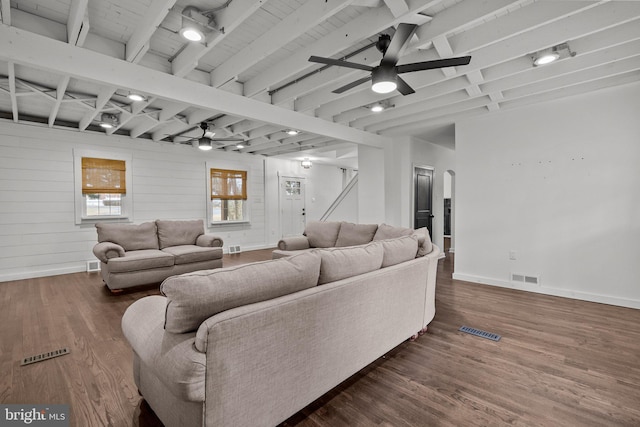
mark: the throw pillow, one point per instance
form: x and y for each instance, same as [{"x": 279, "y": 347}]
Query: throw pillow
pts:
[
  {"x": 194, "y": 297},
  {"x": 399, "y": 250},
  {"x": 355, "y": 234},
  {"x": 386, "y": 231},
  {"x": 340, "y": 263},
  {"x": 176, "y": 233},
  {"x": 322, "y": 234}
]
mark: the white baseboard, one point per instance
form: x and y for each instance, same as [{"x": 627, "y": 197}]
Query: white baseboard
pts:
[
  {"x": 547, "y": 290},
  {"x": 43, "y": 273}
]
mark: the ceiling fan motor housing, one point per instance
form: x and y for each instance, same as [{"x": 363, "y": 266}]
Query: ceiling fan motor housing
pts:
[{"x": 383, "y": 43}]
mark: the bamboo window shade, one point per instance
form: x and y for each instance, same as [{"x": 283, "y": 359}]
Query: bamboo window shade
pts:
[
  {"x": 228, "y": 184},
  {"x": 103, "y": 176}
]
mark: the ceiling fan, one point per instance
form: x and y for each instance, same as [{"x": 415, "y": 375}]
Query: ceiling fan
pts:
[
  {"x": 385, "y": 77},
  {"x": 204, "y": 142}
]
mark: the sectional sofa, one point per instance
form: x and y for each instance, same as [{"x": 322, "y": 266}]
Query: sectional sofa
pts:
[
  {"x": 251, "y": 345},
  {"x": 132, "y": 255}
]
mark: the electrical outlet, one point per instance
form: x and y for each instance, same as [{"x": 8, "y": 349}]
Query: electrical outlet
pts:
[{"x": 513, "y": 255}]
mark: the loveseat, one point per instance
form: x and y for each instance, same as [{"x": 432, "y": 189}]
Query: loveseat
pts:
[
  {"x": 132, "y": 255},
  {"x": 251, "y": 345}
]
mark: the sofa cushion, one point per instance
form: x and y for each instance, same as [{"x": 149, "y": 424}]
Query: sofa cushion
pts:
[
  {"x": 176, "y": 233},
  {"x": 355, "y": 234},
  {"x": 424, "y": 241},
  {"x": 131, "y": 237},
  {"x": 399, "y": 250},
  {"x": 186, "y": 254},
  {"x": 194, "y": 297},
  {"x": 322, "y": 234},
  {"x": 386, "y": 231},
  {"x": 340, "y": 263},
  {"x": 143, "y": 259}
]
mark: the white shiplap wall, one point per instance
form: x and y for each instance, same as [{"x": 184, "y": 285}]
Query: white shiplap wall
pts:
[{"x": 38, "y": 234}]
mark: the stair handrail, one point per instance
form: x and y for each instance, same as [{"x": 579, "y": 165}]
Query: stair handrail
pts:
[{"x": 343, "y": 194}]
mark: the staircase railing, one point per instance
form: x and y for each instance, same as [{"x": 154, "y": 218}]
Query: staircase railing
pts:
[{"x": 340, "y": 198}]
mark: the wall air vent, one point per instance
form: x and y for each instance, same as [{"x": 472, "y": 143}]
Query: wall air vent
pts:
[
  {"x": 93, "y": 266},
  {"x": 234, "y": 249},
  {"x": 523, "y": 278}
]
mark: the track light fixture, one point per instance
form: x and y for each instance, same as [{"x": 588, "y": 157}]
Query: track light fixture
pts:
[
  {"x": 195, "y": 24},
  {"x": 109, "y": 120}
]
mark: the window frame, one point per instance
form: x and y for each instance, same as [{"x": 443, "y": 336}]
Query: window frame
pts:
[
  {"x": 126, "y": 209},
  {"x": 246, "y": 199}
]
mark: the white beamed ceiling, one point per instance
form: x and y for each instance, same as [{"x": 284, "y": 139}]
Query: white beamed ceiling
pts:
[{"x": 63, "y": 63}]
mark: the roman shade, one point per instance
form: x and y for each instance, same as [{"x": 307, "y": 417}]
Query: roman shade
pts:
[
  {"x": 103, "y": 176},
  {"x": 228, "y": 184}
]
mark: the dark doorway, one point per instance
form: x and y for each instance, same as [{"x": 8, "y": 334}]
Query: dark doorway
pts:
[{"x": 423, "y": 184}]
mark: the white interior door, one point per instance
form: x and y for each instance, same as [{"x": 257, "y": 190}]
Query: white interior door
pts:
[{"x": 292, "y": 207}]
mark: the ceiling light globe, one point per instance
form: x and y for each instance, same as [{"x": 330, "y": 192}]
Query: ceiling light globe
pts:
[{"x": 191, "y": 34}]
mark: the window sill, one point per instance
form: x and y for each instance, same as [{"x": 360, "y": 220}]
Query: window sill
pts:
[
  {"x": 217, "y": 223},
  {"x": 94, "y": 219}
]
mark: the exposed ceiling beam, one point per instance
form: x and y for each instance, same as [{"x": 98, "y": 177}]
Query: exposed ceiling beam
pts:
[
  {"x": 397, "y": 7},
  {"x": 369, "y": 23},
  {"x": 292, "y": 26},
  {"x": 5, "y": 11},
  {"x": 77, "y": 19},
  {"x": 227, "y": 20},
  {"x": 574, "y": 25},
  {"x": 145, "y": 29},
  {"x": 12, "y": 89}
]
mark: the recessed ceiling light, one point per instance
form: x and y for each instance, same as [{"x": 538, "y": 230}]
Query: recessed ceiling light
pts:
[{"x": 136, "y": 97}]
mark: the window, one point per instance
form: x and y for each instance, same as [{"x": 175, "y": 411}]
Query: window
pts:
[
  {"x": 101, "y": 186},
  {"x": 228, "y": 195}
]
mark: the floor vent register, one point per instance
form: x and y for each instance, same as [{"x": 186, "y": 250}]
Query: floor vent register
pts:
[
  {"x": 480, "y": 333},
  {"x": 44, "y": 356}
]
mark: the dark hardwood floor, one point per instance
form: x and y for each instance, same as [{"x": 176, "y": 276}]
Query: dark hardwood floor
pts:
[{"x": 560, "y": 362}]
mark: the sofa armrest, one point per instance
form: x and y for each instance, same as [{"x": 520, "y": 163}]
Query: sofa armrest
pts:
[
  {"x": 106, "y": 250},
  {"x": 294, "y": 243},
  {"x": 209, "y": 240}
]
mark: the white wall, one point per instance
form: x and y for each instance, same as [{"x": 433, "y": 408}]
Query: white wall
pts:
[
  {"x": 371, "y": 187},
  {"x": 323, "y": 183},
  {"x": 559, "y": 184},
  {"x": 38, "y": 234},
  {"x": 440, "y": 159}
]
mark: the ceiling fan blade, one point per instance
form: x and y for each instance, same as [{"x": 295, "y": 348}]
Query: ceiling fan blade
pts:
[
  {"x": 227, "y": 139},
  {"x": 340, "y": 63},
  {"x": 402, "y": 35},
  {"x": 430, "y": 65},
  {"x": 352, "y": 85},
  {"x": 403, "y": 87}
]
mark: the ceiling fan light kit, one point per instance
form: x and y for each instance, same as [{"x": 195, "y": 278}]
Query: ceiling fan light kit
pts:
[
  {"x": 383, "y": 80},
  {"x": 204, "y": 144},
  {"x": 292, "y": 132},
  {"x": 377, "y": 108},
  {"x": 385, "y": 77}
]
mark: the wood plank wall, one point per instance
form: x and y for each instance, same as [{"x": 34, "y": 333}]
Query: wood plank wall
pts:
[{"x": 38, "y": 234}]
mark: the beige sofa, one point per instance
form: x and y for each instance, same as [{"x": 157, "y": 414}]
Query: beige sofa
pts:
[
  {"x": 252, "y": 345},
  {"x": 321, "y": 234},
  {"x": 132, "y": 255}
]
